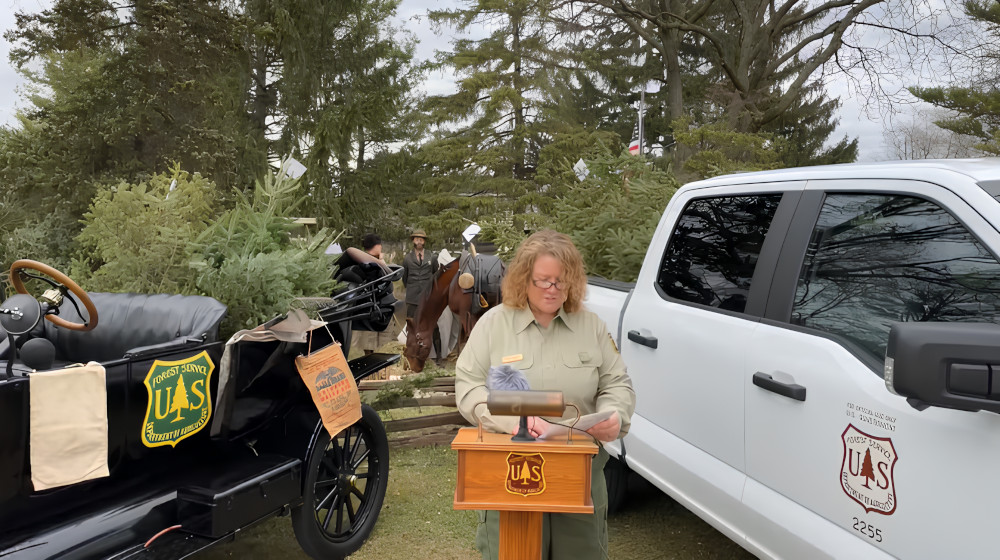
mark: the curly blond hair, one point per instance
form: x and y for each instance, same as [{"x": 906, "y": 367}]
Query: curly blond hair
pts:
[{"x": 557, "y": 245}]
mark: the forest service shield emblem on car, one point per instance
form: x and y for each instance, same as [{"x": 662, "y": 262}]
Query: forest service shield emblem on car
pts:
[
  {"x": 179, "y": 400},
  {"x": 866, "y": 472},
  {"x": 525, "y": 474}
]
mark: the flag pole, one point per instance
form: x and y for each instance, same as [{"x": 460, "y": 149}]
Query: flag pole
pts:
[{"x": 642, "y": 103}]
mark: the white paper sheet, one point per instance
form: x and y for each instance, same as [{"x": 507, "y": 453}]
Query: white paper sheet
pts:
[{"x": 586, "y": 422}]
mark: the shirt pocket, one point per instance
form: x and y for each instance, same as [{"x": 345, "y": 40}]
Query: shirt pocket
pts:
[
  {"x": 582, "y": 376},
  {"x": 585, "y": 358}
]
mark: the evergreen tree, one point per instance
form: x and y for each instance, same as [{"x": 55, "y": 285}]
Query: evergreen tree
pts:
[
  {"x": 717, "y": 149},
  {"x": 867, "y": 469},
  {"x": 611, "y": 214},
  {"x": 600, "y": 74},
  {"x": 126, "y": 90},
  {"x": 249, "y": 259},
  {"x": 759, "y": 66},
  {"x": 977, "y": 105},
  {"x": 122, "y": 92},
  {"x": 806, "y": 128},
  {"x": 136, "y": 237},
  {"x": 488, "y": 132},
  {"x": 180, "y": 400},
  {"x": 218, "y": 87},
  {"x": 331, "y": 86}
]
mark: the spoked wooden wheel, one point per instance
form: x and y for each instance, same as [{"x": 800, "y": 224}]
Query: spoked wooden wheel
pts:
[{"x": 345, "y": 482}]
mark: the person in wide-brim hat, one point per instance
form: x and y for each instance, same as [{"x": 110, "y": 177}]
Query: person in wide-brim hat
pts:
[
  {"x": 418, "y": 278},
  {"x": 418, "y": 272}
]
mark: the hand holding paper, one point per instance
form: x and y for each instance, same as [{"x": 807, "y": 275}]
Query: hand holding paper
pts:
[
  {"x": 586, "y": 423},
  {"x": 537, "y": 427},
  {"x": 607, "y": 430}
]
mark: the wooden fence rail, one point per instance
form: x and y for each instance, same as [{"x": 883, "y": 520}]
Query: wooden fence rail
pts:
[
  {"x": 441, "y": 392},
  {"x": 439, "y": 384},
  {"x": 431, "y": 421}
]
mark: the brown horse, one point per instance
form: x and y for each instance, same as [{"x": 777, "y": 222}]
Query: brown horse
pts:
[{"x": 445, "y": 292}]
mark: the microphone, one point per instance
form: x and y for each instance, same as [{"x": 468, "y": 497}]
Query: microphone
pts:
[
  {"x": 506, "y": 378},
  {"x": 511, "y": 395}
]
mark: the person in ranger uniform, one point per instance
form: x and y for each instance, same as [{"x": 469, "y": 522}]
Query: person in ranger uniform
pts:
[{"x": 542, "y": 329}]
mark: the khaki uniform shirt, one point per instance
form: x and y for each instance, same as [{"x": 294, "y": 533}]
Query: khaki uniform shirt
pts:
[{"x": 575, "y": 355}]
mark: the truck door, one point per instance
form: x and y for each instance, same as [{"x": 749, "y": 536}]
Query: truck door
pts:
[
  {"x": 837, "y": 464},
  {"x": 684, "y": 338}
]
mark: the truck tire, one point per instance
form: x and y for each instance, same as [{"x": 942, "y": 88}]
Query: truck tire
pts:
[
  {"x": 344, "y": 484},
  {"x": 616, "y": 474}
]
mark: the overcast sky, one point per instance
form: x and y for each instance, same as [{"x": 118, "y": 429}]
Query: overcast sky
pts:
[{"x": 853, "y": 121}]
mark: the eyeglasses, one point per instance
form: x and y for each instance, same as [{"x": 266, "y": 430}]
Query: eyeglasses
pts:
[{"x": 545, "y": 284}]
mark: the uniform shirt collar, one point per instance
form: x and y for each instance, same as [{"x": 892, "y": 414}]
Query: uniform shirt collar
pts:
[{"x": 524, "y": 317}]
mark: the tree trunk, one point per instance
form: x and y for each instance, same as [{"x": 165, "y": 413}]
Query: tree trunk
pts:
[
  {"x": 675, "y": 86},
  {"x": 518, "y": 108},
  {"x": 361, "y": 146}
]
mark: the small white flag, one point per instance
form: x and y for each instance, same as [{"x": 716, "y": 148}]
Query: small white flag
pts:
[
  {"x": 471, "y": 232},
  {"x": 294, "y": 169},
  {"x": 581, "y": 170}
]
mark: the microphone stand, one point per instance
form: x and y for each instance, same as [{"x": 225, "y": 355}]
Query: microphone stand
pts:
[{"x": 522, "y": 431}]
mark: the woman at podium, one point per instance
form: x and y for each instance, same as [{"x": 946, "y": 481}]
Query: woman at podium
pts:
[{"x": 542, "y": 330}]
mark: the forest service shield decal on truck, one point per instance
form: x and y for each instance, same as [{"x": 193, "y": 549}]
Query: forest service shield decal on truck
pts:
[
  {"x": 866, "y": 471},
  {"x": 179, "y": 400}
]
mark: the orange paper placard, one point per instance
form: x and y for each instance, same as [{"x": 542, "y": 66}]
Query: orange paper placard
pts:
[{"x": 331, "y": 384}]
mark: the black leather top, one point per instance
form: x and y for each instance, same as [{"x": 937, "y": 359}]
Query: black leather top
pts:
[{"x": 130, "y": 321}]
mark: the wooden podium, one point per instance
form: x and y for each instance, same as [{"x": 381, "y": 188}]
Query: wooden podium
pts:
[{"x": 522, "y": 480}]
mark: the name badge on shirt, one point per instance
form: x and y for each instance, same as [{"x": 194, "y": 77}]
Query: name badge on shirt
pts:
[{"x": 512, "y": 358}]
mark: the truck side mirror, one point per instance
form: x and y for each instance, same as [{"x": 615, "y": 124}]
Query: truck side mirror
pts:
[{"x": 951, "y": 365}]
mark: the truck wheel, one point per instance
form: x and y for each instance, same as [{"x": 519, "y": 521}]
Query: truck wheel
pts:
[
  {"x": 344, "y": 485},
  {"x": 616, "y": 476}
]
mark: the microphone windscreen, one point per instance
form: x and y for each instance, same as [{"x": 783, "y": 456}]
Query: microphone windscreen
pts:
[{"x": 506, "y": 378}]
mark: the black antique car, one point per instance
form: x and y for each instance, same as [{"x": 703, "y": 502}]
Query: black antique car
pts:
[{"x": 254, "y": 451}]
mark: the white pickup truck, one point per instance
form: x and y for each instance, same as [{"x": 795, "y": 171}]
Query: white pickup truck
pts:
[{"x": 813, "y": 353}]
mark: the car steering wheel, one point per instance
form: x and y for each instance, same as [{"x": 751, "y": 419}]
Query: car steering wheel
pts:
[{"x": 62, "y": 283}]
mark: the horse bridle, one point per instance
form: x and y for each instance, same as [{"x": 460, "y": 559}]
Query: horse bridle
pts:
[{"x": 420, "y": 339}]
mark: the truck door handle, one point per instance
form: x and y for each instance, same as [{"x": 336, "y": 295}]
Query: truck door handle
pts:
[
  {"x": 790, "y": 390},
  {"x": 650, "y": 341}
]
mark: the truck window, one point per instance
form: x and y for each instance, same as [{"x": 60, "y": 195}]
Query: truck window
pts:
[
  {"x": 713, "y": 250},
  {"x": 878, "y": 259}
]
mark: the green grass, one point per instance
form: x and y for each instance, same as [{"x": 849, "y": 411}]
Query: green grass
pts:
[
  {"x": 417, "y": 520},
  {"x": 412, "y": 412},
  {"x": 418, "y": 523}
]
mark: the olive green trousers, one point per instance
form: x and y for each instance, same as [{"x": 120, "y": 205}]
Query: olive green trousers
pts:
[{"x": 565, "y": 536}]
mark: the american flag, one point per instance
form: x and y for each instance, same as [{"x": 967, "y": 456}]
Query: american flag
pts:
[{"x": 633, "y": 147}]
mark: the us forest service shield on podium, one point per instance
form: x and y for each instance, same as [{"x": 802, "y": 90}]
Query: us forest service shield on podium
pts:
[
  {"x": 525, "y": 474},
  {"x": 179, "y": 400}
]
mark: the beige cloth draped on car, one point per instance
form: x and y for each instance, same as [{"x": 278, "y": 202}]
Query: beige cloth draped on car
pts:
[
  {"x": 68, "y": 425},
  {"x": 295, "y": 327}
]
